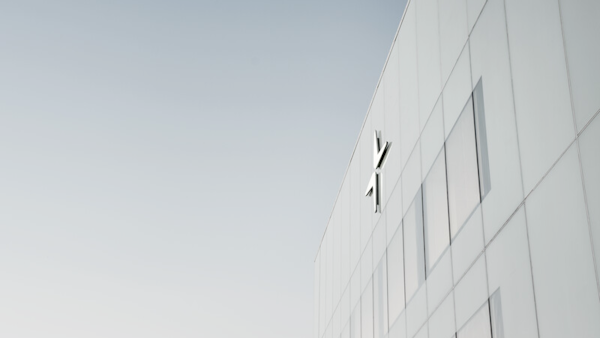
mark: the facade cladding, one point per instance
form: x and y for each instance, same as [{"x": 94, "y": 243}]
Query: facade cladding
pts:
[{"x": 480, "y": 153}]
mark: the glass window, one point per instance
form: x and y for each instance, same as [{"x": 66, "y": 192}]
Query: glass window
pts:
[
  {"x": 485, "y": 183},
  {"x": 414, "y": 248},
  {"x": 463, "y": 179},
  {"x": 435, "y": 211},
  {"x": 490, "y": 60},
  {"x": 496, "y": 315},
  {"x": 395, "y": 262}
]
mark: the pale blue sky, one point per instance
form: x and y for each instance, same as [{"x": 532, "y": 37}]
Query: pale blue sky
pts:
[{"x": 167, "y": 168}]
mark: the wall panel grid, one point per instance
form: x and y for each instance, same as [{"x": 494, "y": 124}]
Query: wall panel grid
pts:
[{"x": 488, "y": 223}]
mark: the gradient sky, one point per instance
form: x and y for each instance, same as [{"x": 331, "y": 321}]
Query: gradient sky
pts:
[{"x": 167, "y": 168}]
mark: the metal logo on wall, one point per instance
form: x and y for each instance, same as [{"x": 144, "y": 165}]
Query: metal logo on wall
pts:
[{"x": 379, "y": 156}]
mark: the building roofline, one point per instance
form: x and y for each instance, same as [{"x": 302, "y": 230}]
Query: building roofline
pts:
[{"x": 364, "y": 122}]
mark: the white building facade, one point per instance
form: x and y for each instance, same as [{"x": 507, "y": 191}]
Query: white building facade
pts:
[{"x": 471, "y": 204}]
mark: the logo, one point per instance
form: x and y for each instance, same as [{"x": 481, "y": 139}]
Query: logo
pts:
[{"x": 379, "y": 156}]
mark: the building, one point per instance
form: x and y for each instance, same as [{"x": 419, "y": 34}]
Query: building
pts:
[{"x": 471, "y": 204}]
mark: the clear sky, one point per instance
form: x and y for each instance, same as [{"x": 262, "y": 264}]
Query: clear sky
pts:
[{"x": 167, "y": 168}]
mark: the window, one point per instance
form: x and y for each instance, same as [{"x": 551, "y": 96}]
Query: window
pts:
[
  {"x": 485, "y": 184},
  {"x": 435, "y": 211},
  {"x": 496, "y": 315},
  {"x": 414, "y": 250},
  {"x": 463, "y": 176},
  {"x": 467, "y": 161},
  {"x": 457, "y": 182}
]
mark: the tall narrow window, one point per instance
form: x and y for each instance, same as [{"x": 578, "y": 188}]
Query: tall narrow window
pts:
[
  {"x": 435, "y": 211},
  {"x": 496, "y": 315},
  {"x": 462, "y": 170},
  {"x": 414, "y": 251},
  {"x": 485, "y": 184}
]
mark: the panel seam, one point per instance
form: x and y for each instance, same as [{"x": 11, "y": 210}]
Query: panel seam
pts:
[
  {"x": 537, "y": 322},
  {"x": 585, "y": 199}
]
